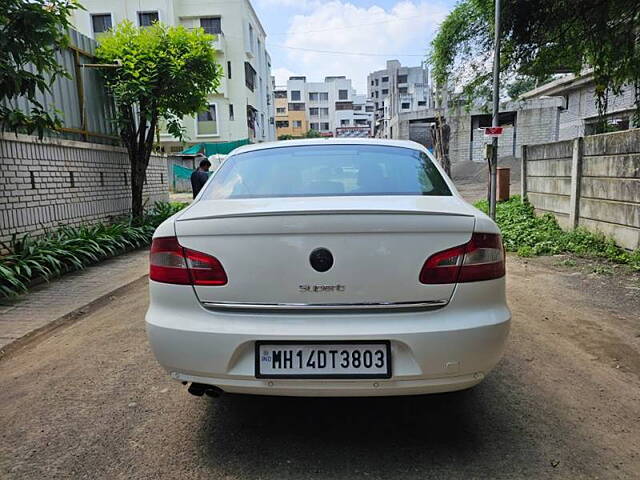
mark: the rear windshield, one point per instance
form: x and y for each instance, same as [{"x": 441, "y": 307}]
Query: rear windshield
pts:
[{"x": 326, "y": 170}]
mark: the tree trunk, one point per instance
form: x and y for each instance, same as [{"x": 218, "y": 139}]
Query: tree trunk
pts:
[
  {"x": 138, "y": 173},
  {"x": 139, "y": 143}
]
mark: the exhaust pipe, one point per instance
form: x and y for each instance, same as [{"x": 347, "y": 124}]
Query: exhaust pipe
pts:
[{"x": 199, "y": 389}]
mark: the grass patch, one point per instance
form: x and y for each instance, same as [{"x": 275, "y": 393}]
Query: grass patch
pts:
[
  {"x": 72, "y": 248},
  {"x": 602, "y": 270},
  {"x": 568, "y": 263},
  {"x": 530, "y": 235}
]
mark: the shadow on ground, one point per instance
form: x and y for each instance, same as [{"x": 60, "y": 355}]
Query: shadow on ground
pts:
[{"x": 470, "y": 433}]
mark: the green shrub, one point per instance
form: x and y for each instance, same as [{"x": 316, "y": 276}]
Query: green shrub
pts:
[
  {"x": 73, "y": 248},
  {"x": 528, "y": 234}
]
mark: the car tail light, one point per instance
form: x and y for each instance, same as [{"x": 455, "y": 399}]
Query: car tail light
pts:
[
  {"x": 170, "y": 262},
  {"x": 482, "y": 258}
]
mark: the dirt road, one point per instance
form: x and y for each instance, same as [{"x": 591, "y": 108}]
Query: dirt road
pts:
[{"x": 89, "y": 401}]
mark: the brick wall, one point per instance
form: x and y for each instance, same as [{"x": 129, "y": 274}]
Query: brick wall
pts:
[
  {"x": 49, "y": 183},
  {"x": 593, "y": 182}
]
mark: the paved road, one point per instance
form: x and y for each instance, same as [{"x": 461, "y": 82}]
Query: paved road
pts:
[{"x": 89, "y": 401}]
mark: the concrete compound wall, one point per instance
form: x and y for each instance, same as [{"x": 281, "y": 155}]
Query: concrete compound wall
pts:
[
  {"x": 592, "y": 182},
  {"x": 49, "y": 183},
  {"x": 536, "y": 121}
]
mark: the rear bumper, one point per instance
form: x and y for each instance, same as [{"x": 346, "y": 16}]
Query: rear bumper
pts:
[{"x": 448, "y": 349}]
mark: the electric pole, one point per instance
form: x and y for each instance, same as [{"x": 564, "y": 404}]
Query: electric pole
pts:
[{"x": 493, "y": 162}]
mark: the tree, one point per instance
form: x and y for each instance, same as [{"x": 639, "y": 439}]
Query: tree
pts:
[
  {"x": 524, "y": 83},
  {"x": 165, "y": 73},
  {"x": 312, "y": 134},
  {"x": 286, "y": 136},
  {"x": 30, "y": 34},
  {"x": 539, "y": 39}
]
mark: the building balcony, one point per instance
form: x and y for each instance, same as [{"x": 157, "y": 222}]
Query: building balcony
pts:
[
  {"x": 344, "y": 105},
  {"x": 219, "y": 43}
]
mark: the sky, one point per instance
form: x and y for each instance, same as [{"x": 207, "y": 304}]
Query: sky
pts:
[{"x": 302, "y": 35}]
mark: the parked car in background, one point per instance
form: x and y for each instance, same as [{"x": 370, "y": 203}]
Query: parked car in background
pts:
[{"x": 342, "y": 267}]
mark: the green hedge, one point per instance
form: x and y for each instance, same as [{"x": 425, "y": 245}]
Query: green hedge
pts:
[
  {"x": 72, "y": 248},
  {"x": 528, "y": 234}
]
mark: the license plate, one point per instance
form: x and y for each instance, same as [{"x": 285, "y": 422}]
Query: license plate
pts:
[{"x": 352, "y": 359}]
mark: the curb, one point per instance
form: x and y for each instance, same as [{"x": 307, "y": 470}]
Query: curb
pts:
[{"x": 31, "y": 338}]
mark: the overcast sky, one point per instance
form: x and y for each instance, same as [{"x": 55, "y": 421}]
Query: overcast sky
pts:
[{"x": 383, "y": 29}]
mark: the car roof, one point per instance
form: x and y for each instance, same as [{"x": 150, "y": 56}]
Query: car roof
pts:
[{"x": 328, "y": 141}]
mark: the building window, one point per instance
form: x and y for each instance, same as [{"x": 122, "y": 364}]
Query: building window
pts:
[
  {"x": 281, "y": 111},
  {"x": 406, "y": 105},
  {"x": 207, "y": 123},
  {"x": 368, "y": 108},
  {"x": 372, "y": 83},
  {"x": 402, "y": 79},
  {"x": 315, "y": 126},
  {"x": 231, "y": 112},
  {"x": 296, "y": 107},
  {"x": 403, "y": 90},
  {"x": 146, "y": 19},
  {"x": 377, "y": 82},
  {"x": 282, "y": 124},
  {"x": 251, "y": 37},
  {"x": 324, "y": 96},
  {"x": 357, "y": 108},
  {"x": 295, "y": 95},
  {"x": 101, "y": 23},
  {"x": 343, "y": 106},
  {"x": 385, "y": 79},
  {"x": 211, "y": 25},
  {"x": 376, "y": 94},
  {"x": 343, "y": 94},
  {"x": 344, "y": 122},
  {"x": 385, "y": 91},
  {"x": 324, "y": 112},
  {"x": 324, "y": 126},
  {"x": 422, "y": 103},
  {"x": 297, "y": 124},
  {"x": 314, "y": 96},
  {"x": 249, "y": 76},
  {"x": 314, "y": 111},
  {"x": 280, "y": 94},
  {"x": 229, "y": 69}
]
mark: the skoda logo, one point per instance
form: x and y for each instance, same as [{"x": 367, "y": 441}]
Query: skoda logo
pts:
[{"x": 321, "y": 259}]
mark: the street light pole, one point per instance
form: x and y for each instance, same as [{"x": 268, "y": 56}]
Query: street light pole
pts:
[{"x": 493, "y": 163}]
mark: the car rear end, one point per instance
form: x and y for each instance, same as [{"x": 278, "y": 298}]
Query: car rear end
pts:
[{"x": 328, "y": 270}]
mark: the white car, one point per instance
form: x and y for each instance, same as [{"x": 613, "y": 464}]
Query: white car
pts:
[{"x": 346, "y": 267}]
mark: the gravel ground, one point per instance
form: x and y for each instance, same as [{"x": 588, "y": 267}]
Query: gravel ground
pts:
[{"x": 89, "y": 401}]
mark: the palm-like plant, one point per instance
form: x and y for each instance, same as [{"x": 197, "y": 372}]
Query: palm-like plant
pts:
[{"x": 72, "y": 248}]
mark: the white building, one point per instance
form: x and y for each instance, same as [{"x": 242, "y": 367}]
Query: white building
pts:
[
  {"x": 330, "y": 105},
  {"x": 242, "y": 111},
  {"x": 396, "y": 90}
]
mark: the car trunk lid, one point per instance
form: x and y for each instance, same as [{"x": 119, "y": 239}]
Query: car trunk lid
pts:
[{"x": 378, "y": 246}]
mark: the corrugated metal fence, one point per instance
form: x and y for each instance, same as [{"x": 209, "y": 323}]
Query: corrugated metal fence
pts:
[{"x": 87, "y": 111}]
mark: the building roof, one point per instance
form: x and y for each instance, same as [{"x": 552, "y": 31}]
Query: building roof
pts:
[{"x": 560, "y": 85}]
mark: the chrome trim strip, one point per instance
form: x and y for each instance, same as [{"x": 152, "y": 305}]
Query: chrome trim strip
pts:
[
  {"x": 322, "y": 212},
  {"x": 326, "y": 306}
]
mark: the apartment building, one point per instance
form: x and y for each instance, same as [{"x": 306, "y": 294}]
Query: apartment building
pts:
[
  {"x": 396, "y": 90},
  {"x": 328, "y": 106},
  {"x": 363, "y": 113},
  {"x": 242, "y": 111},
  {"x": 289, "y": 122}
]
